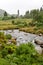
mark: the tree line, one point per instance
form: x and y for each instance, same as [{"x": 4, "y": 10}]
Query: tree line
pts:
[{"x": 36, "y": 14}]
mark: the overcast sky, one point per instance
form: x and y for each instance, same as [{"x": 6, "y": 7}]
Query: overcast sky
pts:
[{"x": 11, "y": 6}]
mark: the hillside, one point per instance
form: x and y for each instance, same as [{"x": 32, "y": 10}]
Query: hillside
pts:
[{"x": 1, "y": 13}]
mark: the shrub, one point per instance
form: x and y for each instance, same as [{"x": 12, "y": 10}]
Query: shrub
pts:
[
  {"x": 13, "y": 22},
  {"x": 26, "y": 55},
  {"x": 8, "y": 36},
  {"x": 4, "y": 62},
  {"x": 4, "y": 53}
]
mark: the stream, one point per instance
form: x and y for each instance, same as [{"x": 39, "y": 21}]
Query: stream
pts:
[{"x": 23, "y": 37}]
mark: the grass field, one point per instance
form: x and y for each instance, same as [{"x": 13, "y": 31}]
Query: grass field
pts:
[
  {"x": 7, "y": 24},
  {"x": 21, "y": 24}
]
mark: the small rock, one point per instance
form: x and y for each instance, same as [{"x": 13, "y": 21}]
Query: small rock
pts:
[
  {"x": 38, "y": 42},
  {"x": 40, "y": 34},
  {"x": 41, "y": 46},
  {"x": 38, "y": 49}
]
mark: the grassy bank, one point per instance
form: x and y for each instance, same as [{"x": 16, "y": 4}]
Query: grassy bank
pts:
[{"x": 21, "y": 24}]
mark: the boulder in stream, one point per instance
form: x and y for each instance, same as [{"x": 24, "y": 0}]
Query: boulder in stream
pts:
[{"x": 38, "y": 42}]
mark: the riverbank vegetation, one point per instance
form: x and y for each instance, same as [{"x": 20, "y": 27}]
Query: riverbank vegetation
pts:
[
  {"x": 24, "y": 54},
  {"x": 26, "y": 25}
]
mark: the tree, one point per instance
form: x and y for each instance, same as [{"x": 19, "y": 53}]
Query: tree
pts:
[
  {"x": 27, "y": 15},
  {"x": 18, "y": 13},
  {"x": 5, "y": 16},
  {"x": 34, "y": 13},
  {"x": 41, "y": 9},
  {"x": 12, "y": 17},
  {"x": 27, "y": 12},
  {"x": 5, "y": 13}
]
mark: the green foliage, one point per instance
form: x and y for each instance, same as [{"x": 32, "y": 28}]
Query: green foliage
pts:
[
  {"x": 1, "y": 34},
  {"x": 3, "y": 38},
  {"x": 12, "y": 17},
  {"x": 4, "y": 53},
  {"x": 13, "y": 22},
  {"x": 25, "y": 54},
  {"x": 4, "y": 62},
  {"x": 27, "y": 15},
  {"x": 25, "y": 48},
  {"x": 7, "y": 49},
  {"x": 6, "y": 18},
  {"x": 8, "y": 36},
  {"x": 5, "y": 13}
]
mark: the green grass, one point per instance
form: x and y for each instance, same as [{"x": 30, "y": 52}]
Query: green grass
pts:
[
  {"x": 21, "y": 24},
  {"x": 7, "y": 24},
  {"x": 25, "y": 54}
]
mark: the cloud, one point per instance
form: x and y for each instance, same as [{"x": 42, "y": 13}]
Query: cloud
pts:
[{"x": 12, "y": 6}]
